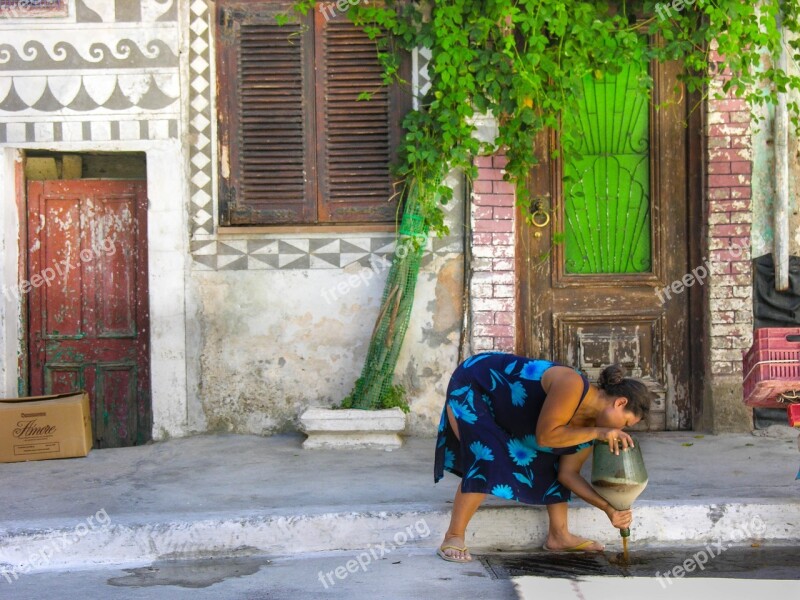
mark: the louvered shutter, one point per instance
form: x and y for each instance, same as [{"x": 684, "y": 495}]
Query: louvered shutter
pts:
[
  {"x": 357, "y": 140},
  {"x": 266, "y": 116}
]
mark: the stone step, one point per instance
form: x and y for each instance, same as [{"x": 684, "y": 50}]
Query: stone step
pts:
[{"x": 494, "y": 528}]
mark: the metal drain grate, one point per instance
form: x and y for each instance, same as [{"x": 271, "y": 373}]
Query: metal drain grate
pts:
[
  {"x": 506, "y": 566},
  {"x": 738, "y": 562}
]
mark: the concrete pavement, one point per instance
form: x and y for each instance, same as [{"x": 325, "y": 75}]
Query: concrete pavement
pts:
[
  {"x": 420, "y": 575},
  {"x": 248, "y": 496},
  {"x": 409, "y": 574}
]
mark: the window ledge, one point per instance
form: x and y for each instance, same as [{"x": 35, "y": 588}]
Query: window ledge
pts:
[{"x": 307, "y": 229}]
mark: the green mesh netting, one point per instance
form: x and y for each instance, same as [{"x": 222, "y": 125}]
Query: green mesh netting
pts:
[{"x": 395, "y": 311}]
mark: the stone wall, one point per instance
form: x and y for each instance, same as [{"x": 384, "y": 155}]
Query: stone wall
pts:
[{"x": 248, "y": 328}]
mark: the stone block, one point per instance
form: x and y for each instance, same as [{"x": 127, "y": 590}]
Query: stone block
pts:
[
  {"x": 352, "y": 428},
  {"x": 72, "y": 166},
  {"x": 41, "y": 168},
  {"x": 724, "y": 410}
]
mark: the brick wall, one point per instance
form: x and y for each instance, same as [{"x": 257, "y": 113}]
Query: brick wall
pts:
[
  {"x": 493, "y": 279},
  {"x": 730, "y": 218}
]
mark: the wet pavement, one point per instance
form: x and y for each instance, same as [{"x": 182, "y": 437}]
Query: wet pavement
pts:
[
  {"x": 761, "y": 562},
  {"x": 196, "y": 574},
  {"x": 736, "y": 572}
]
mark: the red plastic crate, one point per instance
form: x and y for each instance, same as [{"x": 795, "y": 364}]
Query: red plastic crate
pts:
[
  {"x": 774, "y": 333},
  {"x": 775, "y": 337},
  {"x": 772, "y": 366},
  {"x": 793, "y": 412}
]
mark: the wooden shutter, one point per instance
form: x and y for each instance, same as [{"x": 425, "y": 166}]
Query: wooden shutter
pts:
[
  {"x": 266, "y": 116},
  {"x": 356, "y": 139}
]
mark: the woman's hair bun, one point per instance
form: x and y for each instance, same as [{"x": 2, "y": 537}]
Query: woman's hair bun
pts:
[
  {"x": 612, "y": 375},
  {"x": 614, "y": 383}
]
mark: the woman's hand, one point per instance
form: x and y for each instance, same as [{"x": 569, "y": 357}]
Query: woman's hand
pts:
[
  {"x": 617, "y": 439},
  {"x": 621, "y": 519}
]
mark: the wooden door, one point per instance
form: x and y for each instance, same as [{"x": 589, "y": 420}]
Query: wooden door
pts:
[
  {"x": 88, "y": 324},
  {"x": 594, "y": 274}
]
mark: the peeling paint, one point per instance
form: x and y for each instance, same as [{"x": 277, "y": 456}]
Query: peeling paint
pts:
[
  {"x": 225, "y": 162},
  {"x": 446, "y": 307},
  {"x": 763, "y": 194}
]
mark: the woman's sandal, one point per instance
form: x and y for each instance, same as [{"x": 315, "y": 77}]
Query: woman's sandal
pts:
[
  {"x": 442, "y": 549},
  {"x": 582, "y": 547}
]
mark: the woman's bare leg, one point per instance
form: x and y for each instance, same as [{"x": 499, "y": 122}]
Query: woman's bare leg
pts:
[
  {"x": 558, "y": 535},
  {"x": 464, "y": 507}
]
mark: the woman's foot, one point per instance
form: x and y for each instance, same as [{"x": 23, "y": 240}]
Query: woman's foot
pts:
[
  {"x": 571, "y": 543},
  {"x": 454, "y": 549}
]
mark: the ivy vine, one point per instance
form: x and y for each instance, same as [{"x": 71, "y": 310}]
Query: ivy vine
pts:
[{"x": 525, "y": 61}]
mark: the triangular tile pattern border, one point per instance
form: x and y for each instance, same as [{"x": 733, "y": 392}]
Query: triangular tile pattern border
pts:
[
  {"x": 204, "y": 262},
  {"x": 262, "y": 247},
  {"x": 325, "y": 261},
  {"x": 295, "y": 246},
  {"x": 309, "y": 253},
  {"x": 324, "y": 246},
  {"x": 232, "y": 247},
  {"x": 294, "y": 261},
  {"x": 262, "y": 261},
  {"x": 232, "y": 262},
  {"x": 421, "y": 81}
]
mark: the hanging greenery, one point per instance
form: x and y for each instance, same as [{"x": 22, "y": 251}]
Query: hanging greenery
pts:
[{"x": 525, "y": 61}]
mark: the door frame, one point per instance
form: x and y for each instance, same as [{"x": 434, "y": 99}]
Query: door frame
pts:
[
  {"x": 174, "y": 357},
  {"x": 696, "y": 229},
  {"x": 21, "y": 189}
]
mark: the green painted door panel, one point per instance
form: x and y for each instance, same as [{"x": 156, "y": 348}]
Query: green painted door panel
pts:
[{"x": 607, "y": 187}]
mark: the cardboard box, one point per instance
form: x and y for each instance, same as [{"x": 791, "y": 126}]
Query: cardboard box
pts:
[{"x": 42, "y": 427}]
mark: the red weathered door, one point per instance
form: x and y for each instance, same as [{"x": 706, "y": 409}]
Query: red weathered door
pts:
[{"x": 88, "y": 302}]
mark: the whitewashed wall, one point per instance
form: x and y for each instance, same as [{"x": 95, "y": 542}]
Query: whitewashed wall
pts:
[{"x": 243, "y": 338}]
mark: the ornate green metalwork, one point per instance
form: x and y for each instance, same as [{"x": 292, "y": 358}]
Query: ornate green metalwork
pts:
[{"x": 607, "y": 184}]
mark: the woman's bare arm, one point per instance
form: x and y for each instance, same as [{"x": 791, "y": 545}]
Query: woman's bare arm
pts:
[
  {"x": 569, "y": 475},
  {"x": 563, "y": 396}
]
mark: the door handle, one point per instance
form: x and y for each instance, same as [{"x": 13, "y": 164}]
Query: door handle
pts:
[{"x": 540, "y": 217}]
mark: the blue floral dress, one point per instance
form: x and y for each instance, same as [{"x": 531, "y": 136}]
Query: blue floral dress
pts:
[{"x": 496, "y": 399}]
